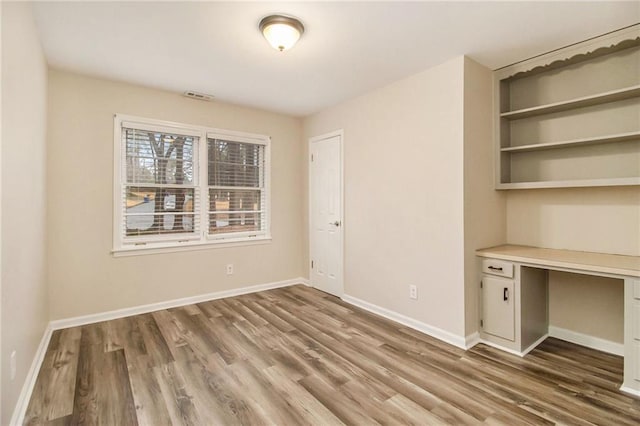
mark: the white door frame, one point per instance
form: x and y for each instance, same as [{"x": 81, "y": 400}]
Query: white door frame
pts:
[{"x": 340, "y": 134}]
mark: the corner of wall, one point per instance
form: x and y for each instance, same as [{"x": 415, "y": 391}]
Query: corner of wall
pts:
[
  {"x": 484, "y": 207},
  {"x": 24, "y": 278}
]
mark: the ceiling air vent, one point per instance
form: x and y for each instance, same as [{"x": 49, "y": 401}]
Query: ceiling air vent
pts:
[{"x": 198, "y": 95}]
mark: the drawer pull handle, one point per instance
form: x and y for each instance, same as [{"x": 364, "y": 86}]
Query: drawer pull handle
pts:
[
  {"x": 505, "y": 294},
  {"x": 493, "y": 268}
]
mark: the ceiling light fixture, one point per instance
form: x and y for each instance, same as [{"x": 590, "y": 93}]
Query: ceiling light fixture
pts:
[{"x": 282, "y": 32}]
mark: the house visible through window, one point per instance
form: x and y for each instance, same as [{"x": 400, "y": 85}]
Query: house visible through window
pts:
[{"x": 164, "y": 169}]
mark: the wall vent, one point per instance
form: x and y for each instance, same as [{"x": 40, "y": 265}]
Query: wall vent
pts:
[{"x": 197, "y": 95}]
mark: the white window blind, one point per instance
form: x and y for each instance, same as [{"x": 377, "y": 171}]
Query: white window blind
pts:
[
  {"x": 159, "y": 195},
  {"x": 162, "y": 171},
  {"x": 237, "y": 196}
]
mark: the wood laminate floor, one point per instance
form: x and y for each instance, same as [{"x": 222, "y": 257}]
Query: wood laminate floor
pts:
[{"x": 298, "y": 356}]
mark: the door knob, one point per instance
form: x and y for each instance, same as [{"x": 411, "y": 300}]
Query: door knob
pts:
[{"x": 336, "y": 223}]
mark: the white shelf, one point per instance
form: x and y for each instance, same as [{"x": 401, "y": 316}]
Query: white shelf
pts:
[
  {"x": 591, "y": 138},
  {"x": 600, "y": 98},
  {"x": 621, "y": 137},
  {"x": 571, "y": 183}
]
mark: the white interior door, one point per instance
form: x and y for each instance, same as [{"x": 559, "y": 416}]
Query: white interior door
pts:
[{"x": 326, "y": 228}]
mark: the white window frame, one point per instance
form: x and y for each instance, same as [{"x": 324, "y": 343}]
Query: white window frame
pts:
[{"x": 180, "y": 242}]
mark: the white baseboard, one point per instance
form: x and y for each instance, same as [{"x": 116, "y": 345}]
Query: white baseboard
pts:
[
  {"x": 569, "y": 336},
  {"x": 586, "y": 340},
  {"x": 534, "y": 344},
  {"x": 143, "y": 309},
  {"x": 27, "y": 388},
  {"x": 502, "y": 348},
  {"x": 438, "y": 333},
  {"x": 630, "y": 391},
  {"x": 472, "y": 340}
]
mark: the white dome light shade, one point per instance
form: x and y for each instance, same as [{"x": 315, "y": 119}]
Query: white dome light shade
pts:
[{"x": 282, "y": 32}]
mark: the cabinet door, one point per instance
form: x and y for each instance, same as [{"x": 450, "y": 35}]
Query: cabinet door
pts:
[{"x": 498, "y": 314}]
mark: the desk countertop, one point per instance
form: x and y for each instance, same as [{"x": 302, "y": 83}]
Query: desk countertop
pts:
[{"x": 625, "y": 266}]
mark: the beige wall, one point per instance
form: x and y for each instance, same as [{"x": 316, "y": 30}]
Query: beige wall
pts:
[
  {"x": 404, "y": 194},
  {"x": 84, "y": 277},
  {"x": 484, "y": 207},
  {"x": 24, "y": 291},
  {"x": 587, "y": 304},
  {"x": 588, "y": 219}
]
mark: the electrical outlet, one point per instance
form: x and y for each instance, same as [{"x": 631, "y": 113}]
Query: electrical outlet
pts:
[
  {"x": 12, "y": 365},
  {"x": 230, "y": 269},
  {"x": 413, "y": 292}
]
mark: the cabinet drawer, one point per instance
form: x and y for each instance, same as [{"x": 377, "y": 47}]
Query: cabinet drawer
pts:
[{"x": 497, "y": 267}]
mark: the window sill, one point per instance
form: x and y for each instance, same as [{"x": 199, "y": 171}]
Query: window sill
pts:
[{"x": 189, "y": 246}]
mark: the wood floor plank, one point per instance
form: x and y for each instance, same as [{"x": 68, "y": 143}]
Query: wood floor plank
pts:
[
  {"x": 158, "y": 351},
  {"x": 545, "y": 386},
  {"x": 124, "y": 333},
  {"x": 179, "y": 402},
  {"x": 202, "y": 340},
  {"x": 242, "y": 347},
  {"x": 220, "y": 307},
  {"x": 116, "y": 405},
  {"x": 253, "y": 384},
  {"x": 372, "y": 364},
  {"x": 411, "y": 413},
  {"x": 218, "y": 400},
  {"x": 85, "y": 404},
  {"x": 151, "y": 407},
  {"x": 339, "y": 404},
  {"x": 246, "y": 313},
  {"x": 296, "y": 356},
  {"x": 103, "y": 391},
  {"x": 529, "y": 395},
  {"x": 171, "y": 330},
  {"x": 55, "y": 387}
]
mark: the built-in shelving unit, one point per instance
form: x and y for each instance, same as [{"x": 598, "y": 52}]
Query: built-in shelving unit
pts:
[{"x": 571, "y": 118}]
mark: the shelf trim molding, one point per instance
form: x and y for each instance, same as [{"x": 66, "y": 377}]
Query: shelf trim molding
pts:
[{"x": 579, "y": 52}]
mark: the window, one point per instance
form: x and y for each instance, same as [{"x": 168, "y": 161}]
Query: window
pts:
[
  {"x": 180, "y": 186},
  {"x": 236, "y": 187}
]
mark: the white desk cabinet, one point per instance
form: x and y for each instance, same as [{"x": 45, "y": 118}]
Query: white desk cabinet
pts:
[
  {"x": 498, "y": 317},
  {"x": 519, "y": 275},
  {"x": 514, "y": 314},
  {"x": 632, "y": 333}
]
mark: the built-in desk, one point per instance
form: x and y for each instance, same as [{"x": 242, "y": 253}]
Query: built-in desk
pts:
[{"x": 514, "y": 297}]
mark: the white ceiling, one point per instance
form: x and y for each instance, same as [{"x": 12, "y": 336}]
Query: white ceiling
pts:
[{"x": 347, "y": 49}]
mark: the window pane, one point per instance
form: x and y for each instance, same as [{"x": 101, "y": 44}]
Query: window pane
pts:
[
  {"x": 234, "y": 222},
  {"x": 234, "y": 210},
  {"x": 152, "y": 211},
  {"x": 161, "y": 158},
  {"x": 234, "y": 163}
]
